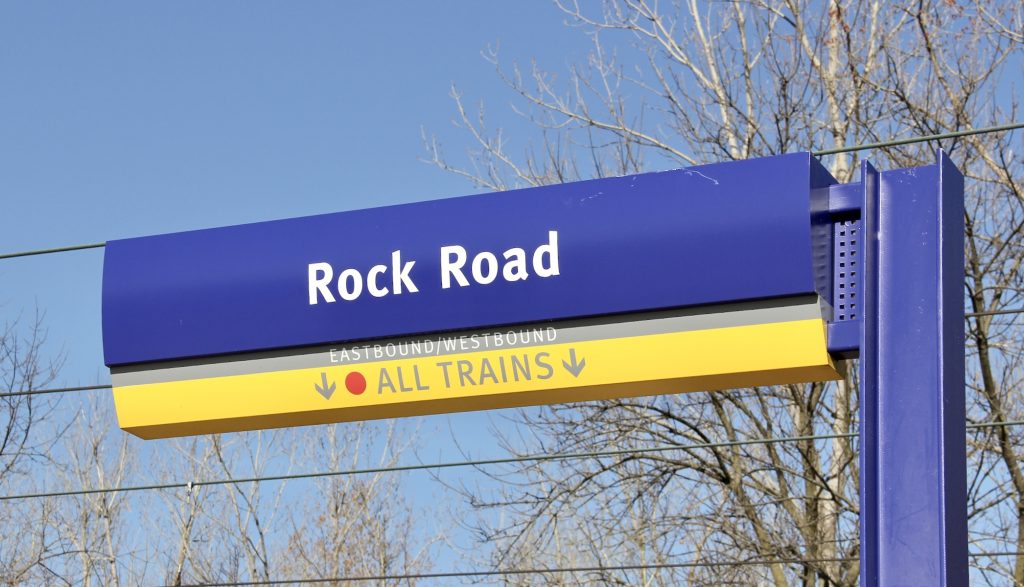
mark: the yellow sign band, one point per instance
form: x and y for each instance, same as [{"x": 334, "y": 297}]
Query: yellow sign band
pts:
[{"x": 718, "y": 358}]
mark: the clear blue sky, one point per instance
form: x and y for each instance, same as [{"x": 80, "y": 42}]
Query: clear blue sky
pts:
[{"x": 126, "y": 119}]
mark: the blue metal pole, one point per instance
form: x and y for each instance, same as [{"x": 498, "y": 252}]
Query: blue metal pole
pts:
[{"x": 913, "y": 454}]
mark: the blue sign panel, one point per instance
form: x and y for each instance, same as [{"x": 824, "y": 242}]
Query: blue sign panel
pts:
[{"x": 718, "y": 233}]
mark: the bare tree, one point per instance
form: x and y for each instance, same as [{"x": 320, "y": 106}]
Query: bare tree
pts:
[
  {"x": 27, "y": 437},
  {"x": 245, "y": 525},
  {"x": 246, "y": 531},
  {"x": 24, "y": 367},
  {"x": 697, "y": 82},
  {"x": 188, "y": 530},
  {"x": 352, "y": 526},
  {"x": 92, "y": 526}
]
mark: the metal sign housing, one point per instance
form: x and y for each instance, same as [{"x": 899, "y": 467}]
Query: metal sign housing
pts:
[{"x": 710, "y": 277}]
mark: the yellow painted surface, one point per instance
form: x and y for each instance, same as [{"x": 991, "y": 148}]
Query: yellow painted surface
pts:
[{"x": 722, "y": 358}]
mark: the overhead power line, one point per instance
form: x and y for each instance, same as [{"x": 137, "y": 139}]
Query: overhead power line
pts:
[
  {"x": 982, "y": 425},
  {"x": 54, "y": 390},
  {"x": 861, "y": 147},
  {"x": 430, "y": 466},
  {"x": 920, "y": 139},
  {"x": 534, "y": 571},
  {"x": 189, "y": 485},
  {"x": 50, "y": 251},
  {"x": 994, "y": 313},
  {"x": 558, "y": 570}
]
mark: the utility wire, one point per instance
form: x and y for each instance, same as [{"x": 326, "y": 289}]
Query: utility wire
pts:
[
  {"x": 862, "y": 147},
  {"x": 432, "y": 466},
  {"x": 994, "y": 554},
  {"x": 535, "y": 571},
  {"x": 542, "y": 571},
  {"x": 552, "y": 570},
  {"x": 458, "y": 464},
  {"x": 49, "y": 251},
  {"x": 993, "y": 313},
  {"x": 921, "y": 139},
  {"x": 981, "y": 425},
  {"x": 54, "y": 390}
]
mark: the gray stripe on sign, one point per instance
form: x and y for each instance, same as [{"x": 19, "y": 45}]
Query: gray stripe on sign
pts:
[{"x": 521, "y": 336}]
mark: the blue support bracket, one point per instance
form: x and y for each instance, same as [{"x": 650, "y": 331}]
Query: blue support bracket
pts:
[{"x": 845, "y": 202}]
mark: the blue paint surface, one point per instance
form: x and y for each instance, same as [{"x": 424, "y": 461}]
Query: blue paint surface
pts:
[
  {"x": 711, "y": 234},
  {"x": 913, "y": 452}
]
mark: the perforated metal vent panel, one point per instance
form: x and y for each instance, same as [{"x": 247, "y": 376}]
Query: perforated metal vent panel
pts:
[{"x": 846, "y": 275}]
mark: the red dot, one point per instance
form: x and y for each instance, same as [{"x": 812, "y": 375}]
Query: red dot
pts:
[{"x": 355, "y": 383}]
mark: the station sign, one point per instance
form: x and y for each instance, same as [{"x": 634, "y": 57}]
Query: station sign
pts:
[{"x": 704, "y": 278}]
